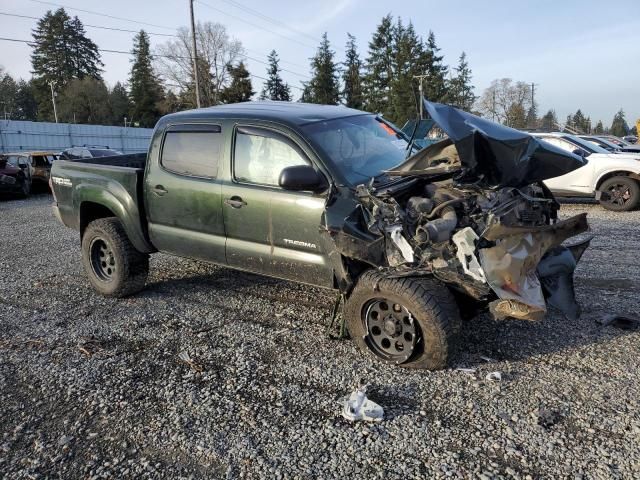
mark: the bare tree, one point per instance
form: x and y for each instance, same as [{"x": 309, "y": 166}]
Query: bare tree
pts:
[
  {"x": 216, "y": 50},
  {"x": 507, "y": 102}
]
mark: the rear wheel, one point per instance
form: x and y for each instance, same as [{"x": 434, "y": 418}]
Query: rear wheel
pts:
[
  {"x": 620, "y": 194},
  {"x": 405, "y": 321},
  {"x": 114, "y": 267}
]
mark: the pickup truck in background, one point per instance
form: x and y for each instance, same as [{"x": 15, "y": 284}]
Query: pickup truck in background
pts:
[{"x": 333, "y": 197}]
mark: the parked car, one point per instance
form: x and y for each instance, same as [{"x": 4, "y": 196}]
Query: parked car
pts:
[
  {"x": 38, "y": 164},
  {"x": 325, "y": 195},
  {"x": 86, "y": 151},
  {"x": 612, "y": 178},
  {"x": 14, "y": 177},
  {"x": 630, "y": 139},
  {"x": 605, "y": 142}
]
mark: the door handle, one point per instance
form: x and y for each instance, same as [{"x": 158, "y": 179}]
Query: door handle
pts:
[
  {"x": 235, "y": 202},
  {"x": 159, "y": 190}
]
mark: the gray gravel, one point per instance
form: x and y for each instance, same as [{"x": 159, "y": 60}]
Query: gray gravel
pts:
[{"x": 93, "y": 387}]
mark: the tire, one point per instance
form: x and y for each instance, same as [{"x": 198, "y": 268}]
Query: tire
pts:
[
  {"x": 429, "y": 306},
  {"x": 623, "y": 194},
  {"x": 114, "y": 267}
]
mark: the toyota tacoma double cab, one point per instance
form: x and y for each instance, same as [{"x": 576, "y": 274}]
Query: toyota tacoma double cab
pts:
[{"x": 339, "y": 198}]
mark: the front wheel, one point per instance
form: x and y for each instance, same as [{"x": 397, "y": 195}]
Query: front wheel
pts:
[
  {"x": 114, "y": 267},
  {"x": 620, "y": 194},
  {"x": 405, "y": 321}
]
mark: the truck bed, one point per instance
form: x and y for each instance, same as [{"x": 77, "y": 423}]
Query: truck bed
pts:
[
  {"x": 83, "y": 186},
  {"x": 133, "y": 160}
]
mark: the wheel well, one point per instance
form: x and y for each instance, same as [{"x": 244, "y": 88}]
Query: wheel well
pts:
[
  {"x": 609, "y": 175},
  {"x": 90, "y": 211}
]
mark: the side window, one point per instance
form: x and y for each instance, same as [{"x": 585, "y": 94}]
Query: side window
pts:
[
  {"x": 195, "y": 152},
  {"x": 260, "y": 156},
  {"x": 563, "y": 144}
]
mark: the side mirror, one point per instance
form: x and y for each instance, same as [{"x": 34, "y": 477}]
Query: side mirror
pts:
[
  {"x": 302, "y": 178},
  {"x": 22, "y": 165},
  {"x": 579, "y": 152}
]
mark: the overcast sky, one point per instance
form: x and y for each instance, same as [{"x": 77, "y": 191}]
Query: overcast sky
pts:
[{"x": 579, "y": 53}]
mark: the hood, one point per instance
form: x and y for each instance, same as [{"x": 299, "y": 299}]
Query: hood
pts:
[
  {"x": 489, "y": 153},
  {"x": 620, "y": 156}
]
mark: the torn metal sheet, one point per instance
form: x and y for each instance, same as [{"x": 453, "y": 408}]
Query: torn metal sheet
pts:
[{"x": 465, "y": 241}]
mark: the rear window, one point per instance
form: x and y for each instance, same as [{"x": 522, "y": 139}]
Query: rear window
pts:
[{"x": 193, "y": 152}]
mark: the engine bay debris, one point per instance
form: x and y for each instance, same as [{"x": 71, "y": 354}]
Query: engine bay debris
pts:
[{"x": 471, "y": 211}]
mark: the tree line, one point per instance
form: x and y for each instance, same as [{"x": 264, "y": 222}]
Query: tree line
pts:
[{"x": 385, "y": 79}]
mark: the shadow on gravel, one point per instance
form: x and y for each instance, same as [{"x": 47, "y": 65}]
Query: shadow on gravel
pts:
[{"x": 515, "y": 340}]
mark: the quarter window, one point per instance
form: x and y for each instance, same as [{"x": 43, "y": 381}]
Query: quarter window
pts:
[
  {"x": 260, "y": 157},
  {"x": 194, "y": 153}
]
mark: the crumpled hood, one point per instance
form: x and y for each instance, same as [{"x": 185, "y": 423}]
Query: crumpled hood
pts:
[{"x": 496, "y": 155}]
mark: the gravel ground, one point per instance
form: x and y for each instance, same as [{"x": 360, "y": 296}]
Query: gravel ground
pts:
[{"x": 94, "y": 388}]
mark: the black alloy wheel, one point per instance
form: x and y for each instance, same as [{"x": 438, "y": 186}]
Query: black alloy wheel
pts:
[{"x": 392, "y": 332}]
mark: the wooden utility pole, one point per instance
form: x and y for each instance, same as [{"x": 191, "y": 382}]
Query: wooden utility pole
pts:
[
  {"x": 53, "y": 99},
  {"x": 420, "y": 89},
  {"x": 195, "y": 54}
]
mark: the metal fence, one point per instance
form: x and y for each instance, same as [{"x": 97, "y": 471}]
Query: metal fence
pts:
[{"x": 16, "y": 136}]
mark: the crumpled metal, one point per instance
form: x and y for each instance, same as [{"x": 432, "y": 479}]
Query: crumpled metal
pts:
[{"x": 493, "y": 154}]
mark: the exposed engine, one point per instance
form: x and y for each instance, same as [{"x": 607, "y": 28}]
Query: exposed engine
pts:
[{"x": 484, "y": 243}]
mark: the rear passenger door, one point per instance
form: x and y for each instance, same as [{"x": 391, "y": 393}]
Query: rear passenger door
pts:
[
  {"x": 183, "y": 194},
  {"x": 271, "y": 230}
]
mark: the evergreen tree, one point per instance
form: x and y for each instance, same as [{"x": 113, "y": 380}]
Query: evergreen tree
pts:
[
  {"x": 532, "y": 116},
  {"x": 171, "y": 103},
  {"x": 119, "y": 104},
  {"x": 549, "y": 121},
  {"x": 323, "y": 87},
  {"x": 379, "y": 69},
  {"x": 599, "y": 130},
  {"x": 146, "y": 92},
  {"x": 619, "y": 126},
  {"x": 569, "y": 121},
  {"x": 435, "y": 88},
  {"x": 275, "y": 88},
  {"x": 460, "y": 87},
  {"x": 240, "y": 88},
  {"x": 26, "y": 104},
  {"x": 352, "y": 76},
  {"x": 8, "y": 94},
  {"x": 61, "y": 52},
  {"x": 407, "y": 46},
  {"x": 580, "y": 122}
]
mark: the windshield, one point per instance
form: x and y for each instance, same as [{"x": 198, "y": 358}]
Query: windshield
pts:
[
  {"x": 602, "y": 143},
  {"x": 587, "y": 145},
  {"x": 361, "y": 147}
]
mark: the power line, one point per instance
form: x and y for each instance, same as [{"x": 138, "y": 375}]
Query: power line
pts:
[
  {"x": 92, "y": 26},
  {"x": 123, "y": 52},
  {"x": 103, "y": 14},
  {"x": 150, "y": 33},
  {"x": 249, "y": 23},
  {"x": 269, "y": 19}
]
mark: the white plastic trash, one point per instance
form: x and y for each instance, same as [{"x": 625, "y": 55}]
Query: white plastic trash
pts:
[{"x": 358, "y": 407}]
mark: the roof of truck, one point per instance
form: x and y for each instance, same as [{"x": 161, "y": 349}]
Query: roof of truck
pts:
[{"x": 294, "y": 113}]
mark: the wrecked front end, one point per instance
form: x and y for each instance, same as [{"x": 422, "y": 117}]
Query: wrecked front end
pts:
[{"x": 471, "y": 211}]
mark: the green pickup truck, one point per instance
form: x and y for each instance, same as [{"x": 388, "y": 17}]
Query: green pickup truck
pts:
[{"x": 332, "y": 197}]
